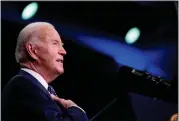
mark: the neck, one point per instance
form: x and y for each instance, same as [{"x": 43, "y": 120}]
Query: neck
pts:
[{"x": 48, "y": 77}]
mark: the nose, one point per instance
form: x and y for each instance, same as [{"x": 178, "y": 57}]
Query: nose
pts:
[{"x": 62, "y": 51}]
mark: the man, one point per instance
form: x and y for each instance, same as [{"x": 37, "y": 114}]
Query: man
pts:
[
  {"x": 27, "y": 96},
  {"x": 174, "y": 117}
]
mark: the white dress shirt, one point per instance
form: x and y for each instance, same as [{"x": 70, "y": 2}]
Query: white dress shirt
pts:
[{"x": 42, "y": 81}]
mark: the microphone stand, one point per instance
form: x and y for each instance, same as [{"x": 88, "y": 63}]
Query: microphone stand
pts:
[{"x": 104, "y": 109}]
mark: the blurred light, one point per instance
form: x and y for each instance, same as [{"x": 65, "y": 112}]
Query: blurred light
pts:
[
  {"x": 132, "y": 35},
  {"x": 126, "y": 55},
  {"x": 29, "y": 11}
]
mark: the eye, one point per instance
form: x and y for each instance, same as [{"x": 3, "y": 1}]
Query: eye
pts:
[{"x": 55, "y": 43}]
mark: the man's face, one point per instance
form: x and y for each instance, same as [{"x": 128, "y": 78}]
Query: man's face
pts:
[{"x": 50, "y": 52}]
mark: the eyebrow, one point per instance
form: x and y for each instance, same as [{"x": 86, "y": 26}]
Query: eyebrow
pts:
[{"x": 59, "y": 42}]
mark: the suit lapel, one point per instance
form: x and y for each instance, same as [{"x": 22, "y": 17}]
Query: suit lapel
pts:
[{"x": 34, "y": 80}]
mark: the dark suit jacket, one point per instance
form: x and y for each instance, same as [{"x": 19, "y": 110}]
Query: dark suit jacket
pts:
[{"x": 25, "y": 99}]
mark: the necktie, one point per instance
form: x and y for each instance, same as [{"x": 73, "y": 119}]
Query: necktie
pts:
[{"x": 51, "y": 90}]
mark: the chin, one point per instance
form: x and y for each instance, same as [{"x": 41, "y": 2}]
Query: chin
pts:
[{"x": 60, "y": 71}]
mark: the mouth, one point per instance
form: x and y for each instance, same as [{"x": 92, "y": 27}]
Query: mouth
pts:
[{"x": 60, "y": 60}]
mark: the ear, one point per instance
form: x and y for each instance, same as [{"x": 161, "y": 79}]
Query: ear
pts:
[{"x": 31, "y": 49}]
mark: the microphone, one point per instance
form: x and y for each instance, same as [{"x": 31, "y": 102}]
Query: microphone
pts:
[
  {"x": 145, "y": 76},
  {"x": 142, "y": 82}
]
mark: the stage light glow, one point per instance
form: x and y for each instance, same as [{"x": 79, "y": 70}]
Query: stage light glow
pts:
[
  {"x": 29, "y": 11},
  {"x": 132, "y": 35}
]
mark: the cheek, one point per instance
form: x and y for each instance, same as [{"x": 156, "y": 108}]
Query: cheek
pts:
[
  {"x": 47, "y": 58},
  {"x": 49, "y": 55},
  {"x": 52, "y": 58}
]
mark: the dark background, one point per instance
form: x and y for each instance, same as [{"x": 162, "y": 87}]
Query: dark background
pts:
[{"x": 90, "y": 77}]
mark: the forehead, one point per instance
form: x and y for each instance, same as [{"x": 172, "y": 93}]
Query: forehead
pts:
[{"x": 48, "y": 33}]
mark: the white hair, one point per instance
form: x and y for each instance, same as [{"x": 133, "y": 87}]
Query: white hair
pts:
[{"x": 28, "y": 34}]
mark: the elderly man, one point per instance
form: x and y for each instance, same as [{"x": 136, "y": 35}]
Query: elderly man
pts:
[{"x": 27, "y": 96}]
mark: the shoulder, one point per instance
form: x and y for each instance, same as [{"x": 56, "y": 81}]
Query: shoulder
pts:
[
  {"x": 17, "y": 81},
  {"x": 22, "y": 88},
  {"x": 17, "y": 84}
]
